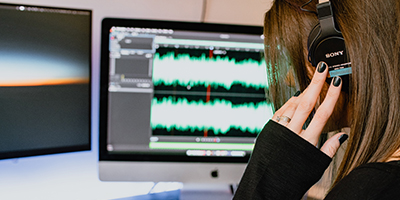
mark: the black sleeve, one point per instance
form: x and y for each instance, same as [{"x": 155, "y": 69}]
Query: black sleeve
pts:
[
  {"x": 379, "y": 181},
  {"x": 282, "y": 166}
]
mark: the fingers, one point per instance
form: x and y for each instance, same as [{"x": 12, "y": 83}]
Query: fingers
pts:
[
  {"x": 323, "y": 113},
  {"x": 332, "y": 144},
  {"x": 308, "y": 100},
  {"x": 284, "y": 115},
  {"x": 295, "y": 112}
]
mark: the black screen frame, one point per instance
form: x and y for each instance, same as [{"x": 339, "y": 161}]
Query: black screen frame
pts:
[{"x": 107, "y": 24}]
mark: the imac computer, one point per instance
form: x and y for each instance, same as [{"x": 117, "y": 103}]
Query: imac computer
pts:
[
  {"x": 180, "y": 101},
  {"x": 45, "y": 90}
]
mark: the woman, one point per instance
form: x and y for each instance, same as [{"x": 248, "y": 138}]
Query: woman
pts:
[{"x": 285, "y": 162}]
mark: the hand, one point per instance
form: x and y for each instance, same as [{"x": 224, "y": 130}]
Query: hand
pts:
[{"x": 296, "y": 110}]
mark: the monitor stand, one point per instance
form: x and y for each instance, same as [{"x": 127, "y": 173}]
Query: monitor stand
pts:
[
  {"x": 190, "y": 192},
  {"x": 207, "y": 191}
]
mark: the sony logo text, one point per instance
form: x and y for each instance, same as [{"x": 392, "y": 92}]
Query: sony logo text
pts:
[{"x": 334, "y": 54}]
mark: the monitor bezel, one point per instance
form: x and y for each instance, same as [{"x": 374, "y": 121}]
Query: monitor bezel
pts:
[
  {"x": 63, "y": 149},
  {"x": 107, "y": 24}
]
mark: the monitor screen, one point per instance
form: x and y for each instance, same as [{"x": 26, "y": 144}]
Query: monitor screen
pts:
[
  {"x": 179, "y": 93},
  {"x": 45, "y": 64}
]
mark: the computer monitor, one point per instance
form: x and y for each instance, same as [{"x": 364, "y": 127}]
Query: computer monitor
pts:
[
  {"x": 180, "y": 101},
  {"x": 45, "y": 90}
]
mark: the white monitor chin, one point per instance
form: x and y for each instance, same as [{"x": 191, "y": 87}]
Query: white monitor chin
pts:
[{"x": 210, "y": 173}]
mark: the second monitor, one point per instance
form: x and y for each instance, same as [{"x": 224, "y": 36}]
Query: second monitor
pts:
[{"x": 180, "y": 93}]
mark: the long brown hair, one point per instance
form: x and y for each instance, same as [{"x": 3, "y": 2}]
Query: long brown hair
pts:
[
  {"x": 372, "y": 36},
  {"x": 285, "y": 36},
  {"x": 371, "y": 32}
]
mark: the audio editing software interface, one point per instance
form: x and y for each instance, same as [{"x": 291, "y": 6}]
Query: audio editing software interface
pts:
[{"x": 185, "y": 92}]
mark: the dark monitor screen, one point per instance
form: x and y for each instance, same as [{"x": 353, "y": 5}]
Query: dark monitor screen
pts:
[
  {"x": 181, "y": 91},
  {"x": 45, "y": 90}
]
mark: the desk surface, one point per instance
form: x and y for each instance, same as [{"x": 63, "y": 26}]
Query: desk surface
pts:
[{"x": 183, "y": 195}]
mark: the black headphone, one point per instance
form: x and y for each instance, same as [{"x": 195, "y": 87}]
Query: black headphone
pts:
[{"x": 326, "y": 43}]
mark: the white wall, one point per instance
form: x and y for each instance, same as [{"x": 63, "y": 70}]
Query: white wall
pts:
[{"x": 74, "y": 175}]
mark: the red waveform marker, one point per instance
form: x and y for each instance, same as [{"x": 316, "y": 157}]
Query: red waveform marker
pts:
[{"x": 208, "y": 94}]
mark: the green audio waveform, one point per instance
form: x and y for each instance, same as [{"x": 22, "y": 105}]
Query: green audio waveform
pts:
[
  {"x": 219, "y": 71},
  {"x": 218, "y": 115}
]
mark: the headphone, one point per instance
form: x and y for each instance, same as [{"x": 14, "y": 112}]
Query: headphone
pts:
[{"x": 326, "y": 43}]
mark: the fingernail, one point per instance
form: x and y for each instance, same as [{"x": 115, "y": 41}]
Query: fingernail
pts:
[
  {"x": 321, "y": 67},
  {"x": 297, "y": 94},
  {"x": 336, "y": 81},
  {"x": 343, "y": 138}
]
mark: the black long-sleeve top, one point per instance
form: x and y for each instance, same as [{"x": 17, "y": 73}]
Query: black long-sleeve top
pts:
[{"x": 284, "y": 166}]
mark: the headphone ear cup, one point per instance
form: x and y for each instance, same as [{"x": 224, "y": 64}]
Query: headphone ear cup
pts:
[
  {"x": 311, "y": 43},
  {"x": 326, "y": 43}
]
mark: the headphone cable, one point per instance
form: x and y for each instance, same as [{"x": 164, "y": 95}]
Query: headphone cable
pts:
[{"x": 306, "y": 10}]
